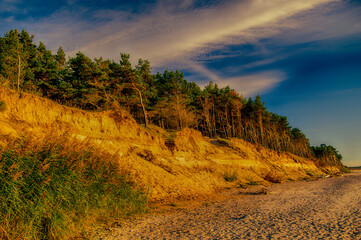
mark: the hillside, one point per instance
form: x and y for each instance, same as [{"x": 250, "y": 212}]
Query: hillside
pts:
[{"x": 185, "y": 166}]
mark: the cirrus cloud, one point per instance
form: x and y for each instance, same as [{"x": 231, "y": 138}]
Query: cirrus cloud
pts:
[{"x": 174, "y": 33}]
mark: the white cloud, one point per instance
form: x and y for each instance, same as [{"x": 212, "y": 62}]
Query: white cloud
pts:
[
  {"x": 247, "y": 85},
  {"x": 251, "y": 85},
  {"x": 175, "y": 32},
  {"x": 167, "y": 32}
]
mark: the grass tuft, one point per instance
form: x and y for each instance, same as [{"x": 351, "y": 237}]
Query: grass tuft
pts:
[
  {"x": 52, "y": 190},
  {"x": 253, "y": 183},
  {"x": 230, "y": 175},
  {"x": 2, "y": 106}
]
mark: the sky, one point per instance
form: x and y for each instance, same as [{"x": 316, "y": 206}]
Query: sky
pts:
[{"x": 302, "y": 56}]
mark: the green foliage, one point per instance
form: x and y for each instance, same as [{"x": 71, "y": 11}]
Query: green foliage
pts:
[
  {"x": 60, "y": 58},
  {"x": 52, "y": 190},
  {"x": 327, "y": 155},
  {"x": 2, "y": 106}
]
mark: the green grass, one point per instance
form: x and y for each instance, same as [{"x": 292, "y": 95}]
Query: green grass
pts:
[{"x": 53, "y": 190}]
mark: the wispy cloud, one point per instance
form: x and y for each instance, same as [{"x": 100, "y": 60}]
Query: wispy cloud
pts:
[
  {"x": 247, "y": 84},
  {"x": 167, "y": 33},
  {"x": 334, "y": 20},
  {"x": 175, "y": 31},
  {"x": 8, "y": 6},
  {"x": 250, "y": 85}
]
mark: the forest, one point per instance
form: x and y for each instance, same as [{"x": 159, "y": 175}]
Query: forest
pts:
[{"x": 165, "y": 99}]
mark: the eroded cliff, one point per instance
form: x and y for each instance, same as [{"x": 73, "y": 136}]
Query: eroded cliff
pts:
[{"x": 185, "y": 166}]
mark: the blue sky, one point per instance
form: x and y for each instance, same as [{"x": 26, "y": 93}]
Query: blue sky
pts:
[{"x": 302, "y": 56}]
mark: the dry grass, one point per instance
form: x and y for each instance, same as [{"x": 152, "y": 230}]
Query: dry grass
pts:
[
  {"x": 55, "y": 189},
  {"x": 252, "y": 182}
]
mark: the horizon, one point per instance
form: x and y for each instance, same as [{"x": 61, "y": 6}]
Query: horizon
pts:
[{"x": 302, "y": 57}]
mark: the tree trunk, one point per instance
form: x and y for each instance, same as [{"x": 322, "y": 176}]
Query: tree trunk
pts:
[
  {"x": 19, "y": 70},
  {"x": 141, "y": 103},
  {"x": 260, "y": 121}
]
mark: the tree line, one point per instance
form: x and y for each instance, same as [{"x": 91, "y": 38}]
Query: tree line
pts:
[
  {"x": 165, "y": 99},
  {"x": 327, "y": 155}
]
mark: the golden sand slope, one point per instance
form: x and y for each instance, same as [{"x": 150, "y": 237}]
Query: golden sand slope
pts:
[{"x": 186, "y": 167}]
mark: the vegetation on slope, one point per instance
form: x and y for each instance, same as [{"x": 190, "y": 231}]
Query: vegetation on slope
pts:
[
  {"x": 54, "y": 189},
  {"x": 327, "y": 155},
  {"x": 165, "y": 99}
]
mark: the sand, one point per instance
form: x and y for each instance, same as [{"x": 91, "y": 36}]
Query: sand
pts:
[{"x": 324, "y": 209}]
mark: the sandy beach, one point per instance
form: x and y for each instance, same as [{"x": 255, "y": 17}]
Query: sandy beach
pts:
[{"x": 324, "y": 209}]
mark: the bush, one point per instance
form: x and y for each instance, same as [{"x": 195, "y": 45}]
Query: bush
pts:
[
  {"x": 2, "y": 106},
  {"x": 53, "y": 190}
]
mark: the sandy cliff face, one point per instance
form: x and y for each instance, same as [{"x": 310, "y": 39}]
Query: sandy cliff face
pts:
[{"x": 187, "y": 166}]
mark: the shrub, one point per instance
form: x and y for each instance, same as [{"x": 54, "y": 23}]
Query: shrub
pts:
[
  {"x": 2, "y": 106},
  {"x": 345, "y": 169},
  {"x": 54, "y": 189},
  {"x": 230, "y": 175}
]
